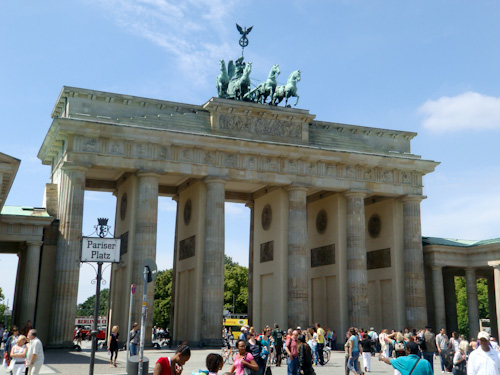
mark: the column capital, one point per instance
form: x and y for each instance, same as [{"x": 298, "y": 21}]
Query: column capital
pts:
[
  {"x": 296, "y": 188},
  {"x": 354, "y": 193},
  {"x": 148, "y": 174},
  {"x": 214, "y": 180},
  {"x": 72, "y": 166},
  {"x": 436, "y": 267},
  {"x": 34, "y": 243},
  {"x": 412, "y": 198},
  {"x": 495, "y": 264},
  {"x": 470, "y": 269}
]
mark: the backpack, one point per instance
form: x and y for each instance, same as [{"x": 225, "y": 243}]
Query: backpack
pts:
[
  {"x": 399, "y": 348},
  {"x": 422, "y": 344}
]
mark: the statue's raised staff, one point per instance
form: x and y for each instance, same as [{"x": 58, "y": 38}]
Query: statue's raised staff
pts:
[
  {"x": 288, "y": 90},
  {"x": 265, "y": 89}
]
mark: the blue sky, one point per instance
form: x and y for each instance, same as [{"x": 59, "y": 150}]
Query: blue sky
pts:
[{"x": 430, "y": 67}]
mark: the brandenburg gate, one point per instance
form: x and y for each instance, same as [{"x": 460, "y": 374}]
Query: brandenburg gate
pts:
[{"x": 335, "y": 233}]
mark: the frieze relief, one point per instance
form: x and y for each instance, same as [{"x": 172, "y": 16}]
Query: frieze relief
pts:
[
  {"x": 261, "y": 126},
  {"x": 250, "y": 162}
]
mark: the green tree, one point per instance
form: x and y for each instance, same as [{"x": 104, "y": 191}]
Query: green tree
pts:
[
  {"x": 3, "y": 307},
  {"x": 87, "y": 308},
  {"x": 162, "y": 299},
  {"x": 235, "y": 282},
  {"x": 462, "y": 309}
]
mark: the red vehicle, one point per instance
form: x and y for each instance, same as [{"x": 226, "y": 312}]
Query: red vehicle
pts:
[{"x": 85, "y": 324}]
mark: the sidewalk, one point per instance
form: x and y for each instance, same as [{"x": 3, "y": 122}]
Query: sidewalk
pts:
[{"x": 59, "y": 361}]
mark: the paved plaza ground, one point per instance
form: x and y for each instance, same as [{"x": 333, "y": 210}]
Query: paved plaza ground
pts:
[{"x": 77, "y": 363}]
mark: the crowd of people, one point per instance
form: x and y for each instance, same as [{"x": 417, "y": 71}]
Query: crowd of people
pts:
[{"x": 23, "y": 350}]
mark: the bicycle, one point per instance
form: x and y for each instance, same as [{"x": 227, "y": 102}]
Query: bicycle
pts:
[{"x": 326, "y": 354}]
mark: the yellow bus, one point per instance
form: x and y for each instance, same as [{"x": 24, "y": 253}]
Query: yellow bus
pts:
[{"x": 235, "y": 324}]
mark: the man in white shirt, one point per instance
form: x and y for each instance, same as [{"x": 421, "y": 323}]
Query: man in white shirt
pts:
[
  {"x": 484, "y": 360},
  {"x": 442, "y": 344},
  {"x": 34, "y": 357}
]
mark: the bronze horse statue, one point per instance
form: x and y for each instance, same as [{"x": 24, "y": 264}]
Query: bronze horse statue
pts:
[
  {"x": 288, "y": 90},
  {"x": 222, "y": 80},
  {"x": 265, "y": 89}
]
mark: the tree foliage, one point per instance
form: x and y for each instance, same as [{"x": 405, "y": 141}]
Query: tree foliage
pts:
[
  {"x": 87, "y": 308},
  {"x": 462, "y": 308},
  {"x": 3, "y": 307},
  {"x": 162, "y": 299},
  {"x": 235, "y": 282}
]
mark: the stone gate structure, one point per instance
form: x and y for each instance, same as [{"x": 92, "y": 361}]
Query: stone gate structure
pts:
[{"x": 335, "y": 210}]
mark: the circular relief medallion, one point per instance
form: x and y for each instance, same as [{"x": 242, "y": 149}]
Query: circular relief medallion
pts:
[
  {"x": 187, "y": 212},
  {"x": 123, "y": 206},
  {"x": 321, "y": 221},
  {"x": 374, "y": 226},
  {"x": 267, "y": 217}
]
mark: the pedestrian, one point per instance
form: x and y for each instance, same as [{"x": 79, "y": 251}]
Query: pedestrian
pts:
[
  {"x": 460, "y": 359},
  {"x": 366, "y": 345},
  {"x": 133, "y": 338},
  {"x": 442, "y": 343},
  {"x": 291, "y": 348},
  {"x": 353, "y": 350},
  {"x": 277, "y": 335},
  {"x": 320, "y": 339},
  {"x": 243, "y": 359},
  {"x": 411, "y": 363},
  {"x": 18, "y": 355},
  {"x": 214, "y": 363},
  {"x": 484, "y": 360},
  {"x": 35, "y": 356},
  {"x": 113, "y": 345},
  {"x": 255, "y": 348},
  {"x": 305, "y": 357},
  {"x": 429, "y": 346},
  {"x": 173, "y": 366}
]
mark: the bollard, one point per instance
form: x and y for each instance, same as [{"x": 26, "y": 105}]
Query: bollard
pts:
[{"x": 133, "y": 365}]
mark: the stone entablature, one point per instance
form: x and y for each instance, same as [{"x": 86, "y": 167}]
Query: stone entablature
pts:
[
  {"x": 461, "y": 256},
  {"x": 231, "y": 149},
  {"x": 229, "y": 117}
]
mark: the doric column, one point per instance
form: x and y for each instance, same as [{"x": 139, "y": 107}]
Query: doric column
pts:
[
  {"x": 146, "y": 224},
  {"x": 416, "y": 311},
  {"x": 213, "y": 263},
  {"x": 250, "y": 264},
  {"x": 472, "y": 302},
  {"x": 450, "y": 301},
  {"x": 357, "y": 278},
  {"x": 298, "y": 301},
  {"x": 30, "y": 282},
  {"x": 174, "y": 269},
  {"x": 439, "y": 300},
  {"x": 67, "y": 266},
  {"x": 496, "y": 276},
  {"x": 492, "y": 306}
]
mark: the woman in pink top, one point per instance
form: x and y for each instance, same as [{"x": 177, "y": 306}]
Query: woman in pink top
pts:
[{"x": 243, "y": 359}]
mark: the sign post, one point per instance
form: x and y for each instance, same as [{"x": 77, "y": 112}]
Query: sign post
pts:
[
  {"x": 100, "y": 250},
  {"x": 149, "y": 270},
  {"x": 132, "y": 292}
]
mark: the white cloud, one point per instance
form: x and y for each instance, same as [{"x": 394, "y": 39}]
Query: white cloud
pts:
[
  {"x": 468, "y": 111},
  {"x": 167, "y": 205},
  {"x": 183, "y": 29}
]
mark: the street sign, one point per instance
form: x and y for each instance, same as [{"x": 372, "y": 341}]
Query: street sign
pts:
[
  {"x": 152, "y": 269},
  {"x": 133, "y": 288},
  {"x": 96, "y": 249},
  {"x": 7, "y": 312}
]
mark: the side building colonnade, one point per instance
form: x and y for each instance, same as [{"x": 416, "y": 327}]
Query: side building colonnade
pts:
[
  {"x": 335, "y": 208},
  {"x": 446, "y": 259}
]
